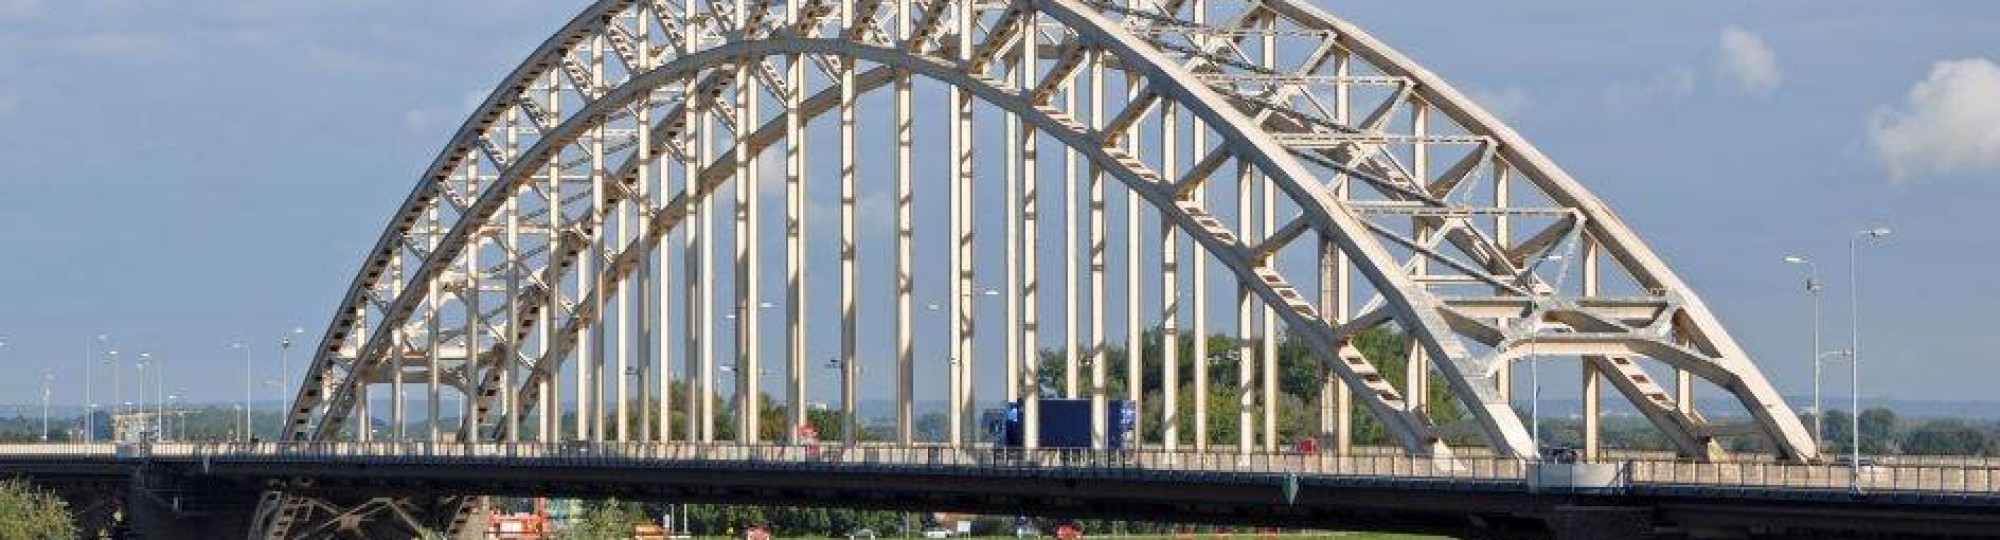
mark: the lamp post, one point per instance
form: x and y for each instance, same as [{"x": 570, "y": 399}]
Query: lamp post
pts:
[
  {"x": 960, "y": 393},
  {"x": 285, "y": 366},
  {"x": 849, "y": 424},
  {"x": 247, "y": 377},
  {"x": 116, "y": 433},
  {"x": 743, "y": 385},
  {"x": 117, "y": 388},
  {"x": 971, "y": 397},
  {"x": 48, "y": 382},
  {"x": 738, "y": 395},
  {"x": 90, "y": 348},
  {"x": 160, "y": 397},
  {"x": 1813, "y": 288},
  {"x": 1854, "y": 344},
  {"x": 144, "y": 358},
  {"x": 1535, "y": 327}
]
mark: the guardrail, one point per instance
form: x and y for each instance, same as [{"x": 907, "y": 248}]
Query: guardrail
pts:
[{"x": 1969, "y": 478}]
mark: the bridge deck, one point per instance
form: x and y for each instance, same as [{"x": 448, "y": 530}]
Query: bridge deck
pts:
[
  {"x": 1461, "y": 495},
  {"x": 1968, "y": 483}
]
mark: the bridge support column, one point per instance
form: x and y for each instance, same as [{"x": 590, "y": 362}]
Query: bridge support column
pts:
[
  {"x": 1592, "y": 421},
  {"x": 1336, "y": 403}
]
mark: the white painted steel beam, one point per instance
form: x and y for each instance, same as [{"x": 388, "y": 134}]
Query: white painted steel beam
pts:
[{"x": 483, "y": 199}]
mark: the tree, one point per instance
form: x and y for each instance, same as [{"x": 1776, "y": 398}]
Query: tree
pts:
[
  {"x": 606, "y": 520},
  {"x": 1839, "y": 430},
  {"x": 1878, "y": 431},
  {"x": 830, "y": 424},
  {"x": 1299, "y": 381},
  {"x": 1947, "y": 437},
  {"x": 29, "y": 513}
]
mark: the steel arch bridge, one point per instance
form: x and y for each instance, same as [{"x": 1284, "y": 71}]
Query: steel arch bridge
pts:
[{"x": 560, "y": 255}]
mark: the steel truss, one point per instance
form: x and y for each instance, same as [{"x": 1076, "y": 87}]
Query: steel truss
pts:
[{"x": 552, "y": 276}]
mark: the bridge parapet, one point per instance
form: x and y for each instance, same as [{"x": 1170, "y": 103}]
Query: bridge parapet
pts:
[
  {"x": 1965, "y": 479},
  {"x": 1254, "y": 488}
]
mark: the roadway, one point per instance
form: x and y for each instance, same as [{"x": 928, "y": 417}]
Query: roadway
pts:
[{"x": 1469, "y": 496}]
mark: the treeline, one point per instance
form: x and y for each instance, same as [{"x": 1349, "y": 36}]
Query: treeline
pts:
[{"x": 1882, "y": 433}]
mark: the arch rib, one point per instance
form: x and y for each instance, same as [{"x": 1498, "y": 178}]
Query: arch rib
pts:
[{"x": 1243, "y": 124}]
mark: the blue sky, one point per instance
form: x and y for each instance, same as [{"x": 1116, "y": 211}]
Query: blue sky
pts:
[{"x": 182, "y": 174}]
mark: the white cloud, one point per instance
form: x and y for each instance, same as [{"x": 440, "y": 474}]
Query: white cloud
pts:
[
  {"x": 1948, "y": 123},
  {"x": 1507, "y": 103},
  {"x": 1747, "y": 60},
  {"x": 1674, "y": 84}
]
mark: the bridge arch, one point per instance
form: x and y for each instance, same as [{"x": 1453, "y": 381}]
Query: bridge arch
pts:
[
  {"x": 1669, "y": 323},
  {"x": 1228, "y": 251},
  {"x": 512, "y": 259}
]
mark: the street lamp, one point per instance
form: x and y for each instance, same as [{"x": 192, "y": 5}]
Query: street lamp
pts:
[
  {"x": 246, "y": 386},
  {"x": 1813, "y": 288},
  {"x": 180, "y": 417},
  {"x": 1854, "y": 343},
  {"x": 89, "y": 383},
  {"x": 1535, "y": 328},
  {"x": 144, "y": 358},
  {"x": 117, "y": 387},
  {"x": 48, "y": 382},
  {"x": 284, "y": 363},
  {"x": 159, "y": 396}
]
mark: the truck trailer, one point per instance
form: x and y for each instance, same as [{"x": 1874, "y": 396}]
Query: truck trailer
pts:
[{"x": 1065, "y": 424}]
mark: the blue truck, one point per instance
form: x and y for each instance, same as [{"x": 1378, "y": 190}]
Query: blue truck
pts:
[{"x": 1065, "y": 424}]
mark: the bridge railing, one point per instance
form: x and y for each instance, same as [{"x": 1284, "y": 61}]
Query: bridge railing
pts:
[
  {"x": 818, "y": 455},
  {"x": 1926, "y": 477},
  {"x": 1968, "y": 479}
]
